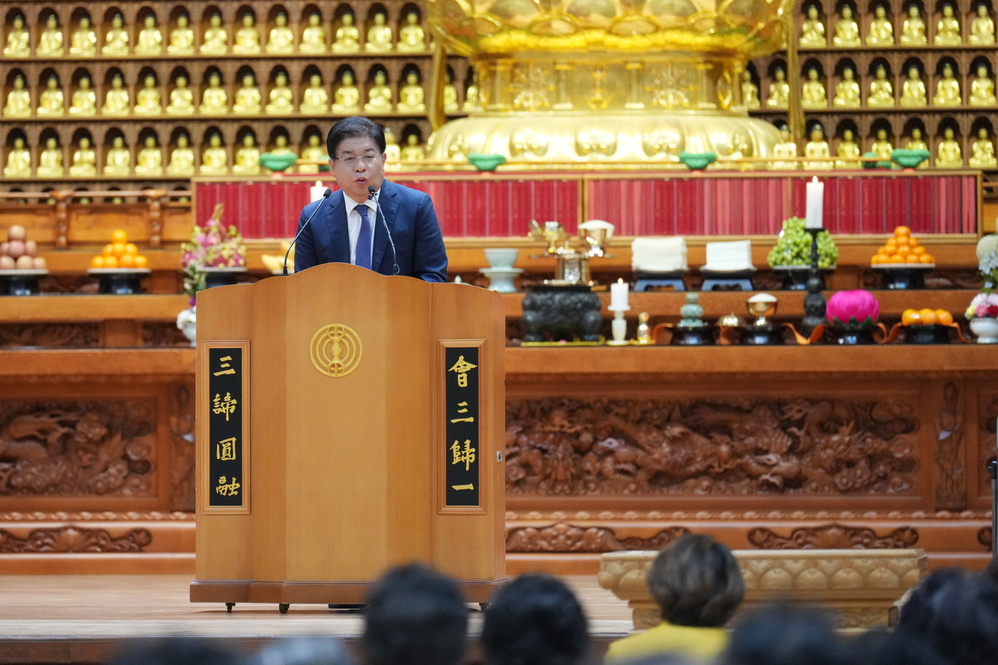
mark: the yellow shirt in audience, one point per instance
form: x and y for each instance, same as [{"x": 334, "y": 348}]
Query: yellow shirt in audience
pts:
[{"x": 697, "y": 643}]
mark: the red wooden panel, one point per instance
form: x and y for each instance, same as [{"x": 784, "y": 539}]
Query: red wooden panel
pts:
[
  {"x": 920, "y": 217},
  {"x": 896, "y": 205},
  {"x": 872, "y": 211},
  {"x": 968, "y": 218},
  {"x": 848, "y": 206},
  {"x": 689, "y": 220},
  {"x": 662, "y": 219},
  {"x": 798, "y": 196},
  {"x": 567, "y": 198},
  {"x": 476, "y": 209}
]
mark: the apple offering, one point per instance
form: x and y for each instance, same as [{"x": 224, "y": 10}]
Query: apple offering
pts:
[{"x": 19, "y": 253}]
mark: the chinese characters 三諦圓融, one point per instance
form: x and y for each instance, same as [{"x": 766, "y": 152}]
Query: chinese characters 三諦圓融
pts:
[
  {"x": 225, "y": 367},
  {"x": 225, "y": 406},
  {"x": 230, "y": 489},
  {"x": 462, "y": 367},
  {"x": 226, "y": 449},
  {"x": 465, "y": 455}
]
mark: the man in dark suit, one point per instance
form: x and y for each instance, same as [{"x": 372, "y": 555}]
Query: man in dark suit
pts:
[{"x": 348, "y": 228}]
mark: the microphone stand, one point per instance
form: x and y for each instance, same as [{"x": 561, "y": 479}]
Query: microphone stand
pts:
[{"x": 325, "y": 195}]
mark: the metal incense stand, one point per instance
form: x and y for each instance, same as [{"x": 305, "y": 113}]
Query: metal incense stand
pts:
[{"x": 814, "y": 301}]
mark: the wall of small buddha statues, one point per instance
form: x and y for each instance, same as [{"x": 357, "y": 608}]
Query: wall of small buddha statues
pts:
[
  {"x": 882, "y": 74},
  {"x": 146, "y": 90}
]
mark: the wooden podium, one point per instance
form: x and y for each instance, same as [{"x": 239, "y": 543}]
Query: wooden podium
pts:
[{"x": 347, "y": 422}]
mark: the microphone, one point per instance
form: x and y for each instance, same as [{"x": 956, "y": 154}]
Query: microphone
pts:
[
  {"x": 372, "y": 196},
  {"x": 325, "y": 195}
]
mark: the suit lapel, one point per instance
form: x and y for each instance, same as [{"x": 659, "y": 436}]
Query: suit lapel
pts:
[
  {"x": 340, "y": 230},
  {"x": 388, "y": 199}
]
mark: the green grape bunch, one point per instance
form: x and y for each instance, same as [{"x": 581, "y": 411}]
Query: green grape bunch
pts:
[{"x": 793, "y": 247}]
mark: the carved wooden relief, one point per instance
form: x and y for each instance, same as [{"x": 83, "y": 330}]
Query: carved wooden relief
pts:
[
  {"x": 568, "y": 446},
  {"x": 66, "y": 449},
  {"x": 182, "y": 437},
  {"x": 564, "y": 537},
  {"x": 50, "y": 334},
  {"x": 163, "y": 333},
  {"x": 986, "y": 440},
  {"x": 833, "y": 537},
  {"x": 70, "y": 539},
  {"x": 951, "y": 485}
]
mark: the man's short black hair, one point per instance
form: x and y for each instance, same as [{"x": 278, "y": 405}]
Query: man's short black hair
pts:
[
  {"x": 535, "y": 620},
  {"x": 415, "y": 616},
  {"x": 351, "y": 128},
  {"x": 171, "y": 650}
]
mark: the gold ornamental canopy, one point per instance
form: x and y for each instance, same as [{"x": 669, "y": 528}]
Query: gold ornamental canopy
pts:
[{"x": 584, "y": 81}]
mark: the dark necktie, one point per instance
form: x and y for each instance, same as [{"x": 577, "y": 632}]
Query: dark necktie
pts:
[{"x": 363, "y": 239}]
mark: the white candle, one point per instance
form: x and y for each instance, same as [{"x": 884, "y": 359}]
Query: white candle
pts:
[
  {"x": 618, "y": 295},
  {"x": 315, "y": 193},
  {"x": 815, "y": 204}
]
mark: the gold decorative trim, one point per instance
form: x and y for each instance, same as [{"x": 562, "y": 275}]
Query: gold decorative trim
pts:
[{"x": 336, "y": 350}]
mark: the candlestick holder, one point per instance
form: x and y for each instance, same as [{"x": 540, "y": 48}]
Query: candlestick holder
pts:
[
  {"x": 618, "y": 327},
  {"x": 814, "y": 301}
]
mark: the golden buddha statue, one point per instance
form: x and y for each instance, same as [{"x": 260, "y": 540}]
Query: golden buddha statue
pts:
[
  {"x": 982, "y": 89},
  {"x": 116, "y": 42},
  {"x": 116, "y": 102},
  {"x": 18, "y": 161},
  {"x": 216, "y": 39},
  {"x": 817, "y": 147},
  {"x": 881, "y": 90},
  {"x": 181, "y": 38},
  {"x": 813, "y": 94},
  {"x": 948, "y": 154},
  {"x": 347, "y": 36},
  {"x": 84, "y": 164},
  {"x": 948, "y": 29},
  {"x": 916, "y": 143},
  {"x": 471, "y": 100},
  {"x": 848, "y": 152},
  {"x": 883, "y": 146},
  {"x": 84, "y": 40},
  {"x": 411, "y": 97},
  {"x": 316, "y": 99},
  {"x": 313, "y": 38},
  {"x": 181, "y": 159},
  {"x": 181, "y": 98},
  {"x": 84, "y": 102},
  {"x": 51, "y": 43},
  {"x": 150, "y": 159},
  {"x": 282, "y": 39},
  {"x": 50, "y": 161},
  {"x": 881, "y": 31},
  {"x": 784, "y": 149},
  {"x": 779, "y": 91},
  {"x": 983, "y": 151},
  {"x": 247, "y": 157},
  {"x": 52, "y": 102},
  {"x": 413, "y": 152},
  {"x": 150, "y": 41},
  {"x": 281, "y": 99},
  {"x": 148, "y": 101},
  {"x": 281, "y": 146},
  {"x": 248, "y": 99},
  {"x": 913, "y": 90},
  {"x": 913, "y": 29},
  {"x": 813, "y": 30},
  {"x": 346, "y": 100},
  {"x": 393, "y": 153},
  {"x": 847, "y": 91},
  {"x": 450, "y": 95},
  {"x": 379, "y": 36},
  {"x": 846, "y": 30},
  {"x": 119, "y": 159},
  {"x": 379, "y": 97},
  {"x": 18, "y": 40},
  {"x": 214, "y": 100},
  {"x": 315, "y": 151},
  {"x": 947, "y": 89},
  {"x": 247, "y": 37},
  {"x": 982, "y": 29},
  {"x": 18, "y": 100},
  {"x": 412, "y": 38},
  {"x": 214, "y": 161},
  {"x": 750, "y": 93}
]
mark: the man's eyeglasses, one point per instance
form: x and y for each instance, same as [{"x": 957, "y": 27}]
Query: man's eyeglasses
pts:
[{"x": 363, "y": 159}]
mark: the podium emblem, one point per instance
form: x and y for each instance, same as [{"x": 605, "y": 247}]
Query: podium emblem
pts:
[{"x": 336, "y": 350}]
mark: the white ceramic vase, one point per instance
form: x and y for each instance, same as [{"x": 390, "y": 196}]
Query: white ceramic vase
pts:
[
  {"x": 986, "y": 330},
  {"x": 187, "y": 322}
]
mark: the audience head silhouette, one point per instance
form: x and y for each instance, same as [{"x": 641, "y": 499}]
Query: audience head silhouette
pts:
[
  {"x": 696, "y": 581},
  {"x": 785, "y": 634}
]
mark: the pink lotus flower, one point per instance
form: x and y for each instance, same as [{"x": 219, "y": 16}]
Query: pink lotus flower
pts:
[{"x": 853, "y": 308}]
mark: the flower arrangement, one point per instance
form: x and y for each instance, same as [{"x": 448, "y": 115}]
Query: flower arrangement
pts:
[
  {"x": 983, "y": 306},
  {"x": 212, "y": 246},
  {"x": 987, "y": 256},
  {"x": 852, "y": 310}
]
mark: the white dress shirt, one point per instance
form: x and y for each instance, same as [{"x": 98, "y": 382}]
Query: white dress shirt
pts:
[{"x": 354, "y": 220}]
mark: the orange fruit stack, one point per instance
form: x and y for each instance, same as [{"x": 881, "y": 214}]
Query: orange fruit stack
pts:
[
  {"x": 926, "y": 317},
  {"x": 902, "y": 249},
  {"x": 119, "y": 253}
]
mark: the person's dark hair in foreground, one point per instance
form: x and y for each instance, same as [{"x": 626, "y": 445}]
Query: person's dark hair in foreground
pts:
[
  {"x": 785, "y": 634},
  {"x": 415, "y": 616},
  {"x": 696, "y": 581},
  {"x": 535, "y": 620},
  {"x": 887, "y": 647},
  {"x": 305, "y": 651},
  {"x": 957, "y": 613},
  {"x": 174, "y": 650}
]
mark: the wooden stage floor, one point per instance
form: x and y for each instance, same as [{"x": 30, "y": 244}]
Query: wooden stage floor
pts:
[{"x": 82, "y": 618}]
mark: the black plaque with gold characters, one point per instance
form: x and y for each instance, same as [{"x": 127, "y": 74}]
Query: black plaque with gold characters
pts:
[
  {"x": 226, "y": 482},
  {"x": 462, "y": 426}
]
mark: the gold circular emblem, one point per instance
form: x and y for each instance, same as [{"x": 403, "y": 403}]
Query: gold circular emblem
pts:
[{"x": 336, "y": 350}]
